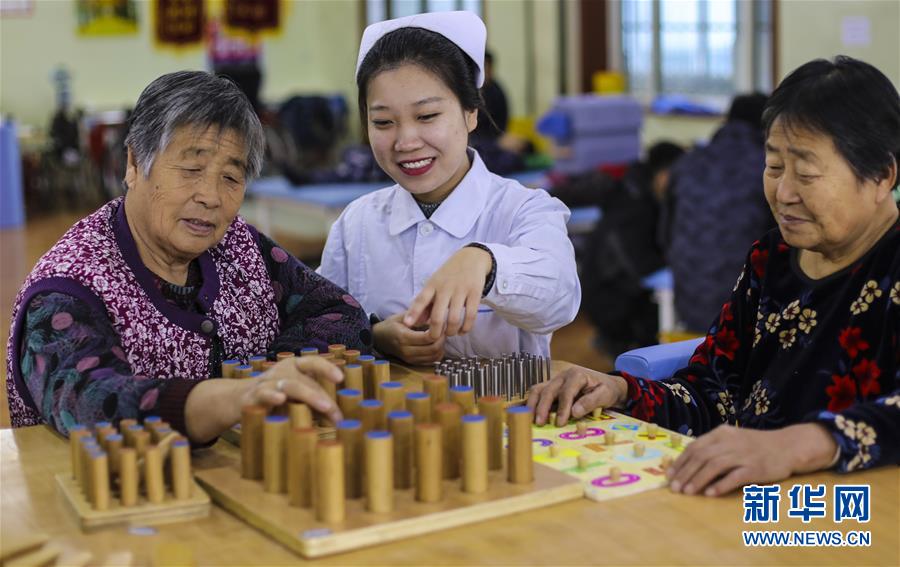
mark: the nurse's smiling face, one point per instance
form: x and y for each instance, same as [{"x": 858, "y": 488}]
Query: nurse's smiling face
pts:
[{"x": 419, "y": 131}]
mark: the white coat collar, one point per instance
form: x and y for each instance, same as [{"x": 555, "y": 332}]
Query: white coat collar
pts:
[{"x": 459, "y": 211}]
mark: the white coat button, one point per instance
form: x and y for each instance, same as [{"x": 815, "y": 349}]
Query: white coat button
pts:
[
  {"x": 505, "y": 284},
  {"x": 426, "y": 228}
]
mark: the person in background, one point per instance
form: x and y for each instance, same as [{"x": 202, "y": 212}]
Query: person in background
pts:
[
  {"x": 452, "y": 259},
  {"x": 133, "y": 311},
  {"x": 715, "y": 211},
  {"x": 623, "y": 248},
  {"x": 495, "y": 105},
  {"x": 800, "y": 371}
]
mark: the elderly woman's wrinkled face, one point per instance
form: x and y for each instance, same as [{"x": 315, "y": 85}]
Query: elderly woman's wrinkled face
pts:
[
  {"x": 816, "y": 198},
  {"x": 193, "y": 193}
]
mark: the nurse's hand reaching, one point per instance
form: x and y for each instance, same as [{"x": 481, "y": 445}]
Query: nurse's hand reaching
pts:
[
  {"x": 455, "y": 288},
  {"x": 410, "y": 345}
]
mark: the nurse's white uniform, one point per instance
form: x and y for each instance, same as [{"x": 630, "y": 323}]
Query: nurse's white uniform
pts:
[{"x": 382, "y": 250}]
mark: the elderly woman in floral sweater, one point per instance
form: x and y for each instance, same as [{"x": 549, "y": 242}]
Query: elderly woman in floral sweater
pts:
[
  {"x": 801, "y": 369},
  {"x": 133, "y": 311}
]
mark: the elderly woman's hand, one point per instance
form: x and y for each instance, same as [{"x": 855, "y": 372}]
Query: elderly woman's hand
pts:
[
  {"x": 729, "y": 457},
  {"x": 577, "y": 391},
  {"x": 215, "y": 405}
]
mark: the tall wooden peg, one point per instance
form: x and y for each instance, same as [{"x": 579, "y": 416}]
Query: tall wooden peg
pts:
[
  {"x": 379, "y": 451},
  {"x": 474, "y": 454},
  {"x": 330, "y": 482},
  {"x": 520, "y": 466},
  {"x": 491, "y": 407}
]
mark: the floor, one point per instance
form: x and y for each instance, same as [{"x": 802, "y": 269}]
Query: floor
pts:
[{"x": 21, "y": 248}]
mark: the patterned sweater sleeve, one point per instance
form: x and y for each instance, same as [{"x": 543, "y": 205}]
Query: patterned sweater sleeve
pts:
[
  {"x": 313, "y": 311},
  {"x": 701, "y": 396},
  {"x": 868, "y": 433},
  {"x": 76, "y": 371}
]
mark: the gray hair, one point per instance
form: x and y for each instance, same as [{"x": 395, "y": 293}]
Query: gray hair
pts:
[{"x": 194, "y": 99}]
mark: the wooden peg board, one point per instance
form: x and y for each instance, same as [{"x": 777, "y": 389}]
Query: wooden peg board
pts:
[
  {"x": 170, "y": 510},
  {"x": 298, "y": 529},
  {"x": 638, "y": 473}
]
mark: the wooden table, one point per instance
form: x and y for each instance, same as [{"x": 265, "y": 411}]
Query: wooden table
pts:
[{"x": 655, "y": 527}]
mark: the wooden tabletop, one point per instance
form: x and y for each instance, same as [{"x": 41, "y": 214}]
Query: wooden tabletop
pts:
[{"x": 655, "y": 527}]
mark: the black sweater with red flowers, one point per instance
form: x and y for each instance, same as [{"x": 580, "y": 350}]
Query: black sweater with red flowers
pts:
[{"x": 787, "y": 349}]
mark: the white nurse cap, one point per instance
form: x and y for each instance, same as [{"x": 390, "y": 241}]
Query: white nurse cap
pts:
[{"x": 464, "y": 29}]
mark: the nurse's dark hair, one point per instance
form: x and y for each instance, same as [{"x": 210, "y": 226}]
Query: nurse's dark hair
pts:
[
  {"x": 850, "y": 101},
  {"x": 431, "y": 51}
]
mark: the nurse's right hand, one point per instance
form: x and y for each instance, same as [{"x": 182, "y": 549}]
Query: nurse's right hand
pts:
[
  {"x": 577, "y": 391},
  {"x": 410, "y": 345}
]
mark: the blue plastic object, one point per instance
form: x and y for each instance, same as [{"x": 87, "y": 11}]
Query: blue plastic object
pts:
[{"x": 658, "y": 361}]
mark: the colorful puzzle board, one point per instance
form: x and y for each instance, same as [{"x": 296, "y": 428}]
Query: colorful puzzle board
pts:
[{"x": 638, "y": 474}]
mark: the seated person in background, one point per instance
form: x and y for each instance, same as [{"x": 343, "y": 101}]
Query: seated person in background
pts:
[
  {"x": 800, "y": 371},
  {"x": 624, "y": 247},
  {"x": 494, "y": 104},
  {"x": 715, "y": 211},
  {"x": 132, "y": 312},
  {"x": 452, "y": 259}
]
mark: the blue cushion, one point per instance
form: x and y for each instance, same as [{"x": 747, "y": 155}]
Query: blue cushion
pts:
[{"x": 658, "y": 361}]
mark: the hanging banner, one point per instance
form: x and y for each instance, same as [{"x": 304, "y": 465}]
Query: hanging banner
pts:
[
  {"x": 180, "y": 22},
  {"x": 106, "y": 17},
  {"x": 253, "y": 15}
]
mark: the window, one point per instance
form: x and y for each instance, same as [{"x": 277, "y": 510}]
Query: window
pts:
[
  {"x": 378, "y": 10},
  {"x": 700, "y": 48}
]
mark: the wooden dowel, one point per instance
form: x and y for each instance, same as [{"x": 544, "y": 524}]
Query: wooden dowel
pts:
[
  {"x": 113, "y": 449},
  {"x": 153, "y": 475},
  {"x": 448, "y": 416},
  {"x": 330, "y": 482},
  {"x": 229, "y": 368},
  {"x": 243, "y": 371},
  {"x": 429, "y": 468},
  {"x": 400, "y": 424},
  {"x": 353, "y": 377},
  {"x": 283, "y": 355},
  {"x": 274, "y": 453},
  {"x": 252, "y": 418},
  {"x": 419, "y": 405},
  {"x": 300, "y": 415},
  {"x": 520, "y": 466},
  {"x": 181, "y": 469},
  {"x": 464, "y": 396},
  {"x": 367, "y": 361},
  {"x": 309, "y": 351},
  {"x": 301, "y": 466},
  {"x": 348, "y": 401},
  {"x": 379, "y": 454},
  {"x": 381, "y": 373},
  {"x": 474, "y": 454},
  {"x": 351, "y": 356},
  {"x": 128, "y": 476},
  {"x": 99, "y": 480},
  {"x": 391, "y": 394},
  {"x": 436, "y": 387},
  {"x": 350, "y": 434},
  {"x": 76, "y": 433},
  {"x": 256, "y": 362},
  {"x": 337, "y": 350},
  {"x": 491, "y": 407},
  {"x": 371, "y": 413}
]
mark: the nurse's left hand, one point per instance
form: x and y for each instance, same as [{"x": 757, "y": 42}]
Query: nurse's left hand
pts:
[
  {"x": 455, "y": 288},
  {"x": 729, "y": 457}
]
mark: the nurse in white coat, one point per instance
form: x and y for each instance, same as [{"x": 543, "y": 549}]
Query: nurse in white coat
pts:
[{"x": 452, "y": 260}]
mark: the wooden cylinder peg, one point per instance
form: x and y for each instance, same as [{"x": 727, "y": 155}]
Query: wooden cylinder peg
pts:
[
  {"x": 520, "y": 466},
  {"x": 491, "y": 407},
  {"x": 128, "y": 476},
  {"x": 113, "y": 449},
  {"x": 367, "y": 361},
  {"x": 675, "y": 440},
  {"x": 464, "y": 396},
  {"x": 581, "y": 428},
  {"x": 348, "y": 401},
  {"x": 243, "y": 371},
  {"x": 639, "y": 449},
  {"x": 474, "y": 454},
  {"x": 379, "y": 452},
  {"x": 301, "y": 466},
  {"x": 615, "y": 474},
  {"x": 99, "y": 480},
  {"x": 371, "y": 413},
  {"x": 353, "y": 377},
  {"x": 652, "y": 430},
  {"x": 448, "y": 416},
  {"x": 419, "y": 405},
  {"x": 181, "y": 469},
  {"x": 275, "y": 431},
  {"x": 435, "y": 386},
  {"x": 429, "y": 469},
  {"x": 337, "y": 350},
  {"x": 381, "y": 373},
  {"x": 309, "y": 351},
  {"x": 229, "y": 368},
  {"x": 400, "y": 424},
  {"x": 609, "y": 437},
  {"x": 330, "y": 482},
  {"x": 299, "y": 414},
  {"x": 583, "y": 462},
  {"x": 76, "y": 433},
  {"x": 252, "y": 418},
  {"x": 153, "y": 474},
  {"x": 283, "y": 355},
  {"x": 351, "y": 356},
  {"x": 350, "y": 434},
  {"x": 256, "y": 362},
  {"x": 391, "y": 395},
  {"x": 130, "y": 432}
]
